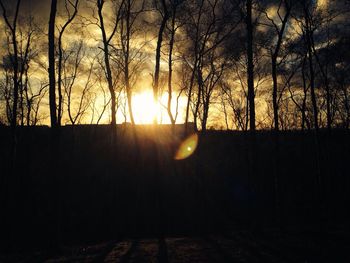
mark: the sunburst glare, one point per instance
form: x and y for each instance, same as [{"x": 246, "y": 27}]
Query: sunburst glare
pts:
[
  {"x": 187, "y": 147},
  {"x": 144, "y": 107}
]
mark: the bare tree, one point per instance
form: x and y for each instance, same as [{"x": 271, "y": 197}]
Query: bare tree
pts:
[
  {"x": 194, "y": 64},
  {"x": 106, "y": 40},
  {"x": 33, "y": 102},
  {"x": 106, "y": 102},
  {"x": 51, "y": 55},
  {"x": 250, "y": 65},
  {"x": 70, "y": 17},
  {"x": 172, "y": 29},
  {"x": 208, "y": 31},
  {"x": 78, "y": 97},
  {"x": 130, "y": 10},
  {"x": 12, "y": 27},
  {"x": 25, "y": 53},
  {"x": 308, "y": 31},
  {"x": 236, "y": 103},
  {"x": 165, "y": 16},
  {"x": 210, "y": 82},
  {"x": 279, "y": 27},
  {"x": 6, "y": 86}
]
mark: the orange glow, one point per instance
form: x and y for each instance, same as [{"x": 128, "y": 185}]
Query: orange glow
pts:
[
  {"x": 187, "y": 147},
  {"x": 144, "y": 107},
  {"x": 146, "y": 110}
]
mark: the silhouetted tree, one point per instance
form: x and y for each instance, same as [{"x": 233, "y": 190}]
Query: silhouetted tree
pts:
[
  {"x": 174, "y": 4},
  {"x": 131, "y": 10},
  {"x": 106, "y": 40},
  {"x": 51, "y": 56},
  {"x": 165, "y": 16},
  {"x": 12, "y": 27},
  {"x": 279, "y": 27},
  {"x": 308, "y": 25},
  {"x": 70, "y": 17},
  {"x": 208, "y": 29},
  {"x": 250, "y": 64},
  {"x": 74, "y": 71}
]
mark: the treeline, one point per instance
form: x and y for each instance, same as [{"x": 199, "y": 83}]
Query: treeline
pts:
[{"x": 239, "y": 64}]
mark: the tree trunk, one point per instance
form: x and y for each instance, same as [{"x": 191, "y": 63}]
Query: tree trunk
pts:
[
  {"x": 107, "y": 63},
  {"x": 158, "y": 49},
  {"x": 194, "y": 66},
  {"x": 311, "y": 69},
  {"x": 274, "y": 66},
  {"x": 250, "y": 68},
  {"x": 189, "y": 96},
  {"x": 312, "y": 89},
  {"x": 52, "y": 80},
  {"x": 60, "y": 57},
  {"x": 126, "y": 71},
  {"x": 199, "y": 95},
  {"x": 15, "y": 73},
  {"x": 303, "y": 107},
  {"x": 171, "y": 46},
  {"x": 206, "y": 104},
  {"x": 326, "y": 82},
  {"x": 274, "y": 92},
  {"x": 59, "y": 81},
  {"x": 29, "y": 102}
]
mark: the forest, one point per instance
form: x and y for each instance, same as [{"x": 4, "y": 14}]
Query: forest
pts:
[
  {"x": 174, "y": 131},
  {"x": 221, "y": 64}
]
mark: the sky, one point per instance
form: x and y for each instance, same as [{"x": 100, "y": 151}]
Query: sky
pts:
[{"x": 143, "y": 80}]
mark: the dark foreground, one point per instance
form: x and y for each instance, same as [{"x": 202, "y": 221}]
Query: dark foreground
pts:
[
  {"x": 238, "y": 198},
  {"x": 237, "y": 247}
]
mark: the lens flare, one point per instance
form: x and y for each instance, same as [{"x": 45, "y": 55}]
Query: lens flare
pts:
[{"x": 187, "y": 147}]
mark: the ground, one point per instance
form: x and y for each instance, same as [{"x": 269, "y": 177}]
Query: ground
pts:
[{"x": 237, "y": 247}]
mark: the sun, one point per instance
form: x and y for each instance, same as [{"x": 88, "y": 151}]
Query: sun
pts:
[{"x": 145, "y": 110}]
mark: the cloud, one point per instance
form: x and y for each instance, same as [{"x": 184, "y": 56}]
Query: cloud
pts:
[{"x": 34, "y": 7}]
